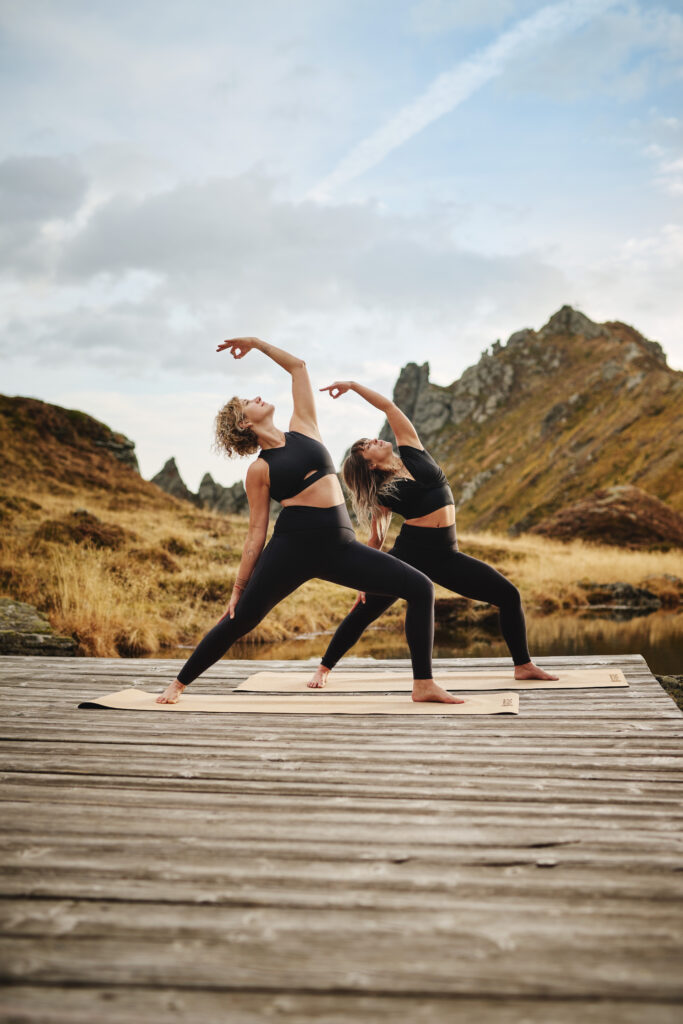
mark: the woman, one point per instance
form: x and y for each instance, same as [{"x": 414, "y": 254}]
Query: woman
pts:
[
  {"x": 413, "y": 485},
  {"x": 313, "y": 535}
]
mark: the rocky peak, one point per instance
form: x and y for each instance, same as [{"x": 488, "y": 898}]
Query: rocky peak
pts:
[
  {"x": 426, "y": 404},
  {"x": 170, "y": 480},
  {"x": 211, "y": 496},
  {"x": 570, "y": 321},
  {"x": 226, "y": 500}
]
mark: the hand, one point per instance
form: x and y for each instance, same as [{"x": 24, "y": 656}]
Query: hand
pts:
[
  {"x": 238, "y": 347},
  {"x": 234, "y": 598},
  {"x": 360, "y": 599},
  {"x": 340, "y": 387}
]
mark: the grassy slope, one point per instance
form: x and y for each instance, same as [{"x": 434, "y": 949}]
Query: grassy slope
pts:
[{"x": 170, "y": 575}]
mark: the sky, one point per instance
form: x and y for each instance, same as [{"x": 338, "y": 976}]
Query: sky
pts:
[{"x": 362, "y": 183}]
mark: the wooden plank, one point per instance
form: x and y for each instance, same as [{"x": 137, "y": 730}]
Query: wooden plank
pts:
[
  {"x": 268, "y": 948},
  {"x": 663, "y": 793},
  {"x": 55, "y": 1004},
  {"x": 144, "y": 872},
  {"x": 543, "y": 853}
]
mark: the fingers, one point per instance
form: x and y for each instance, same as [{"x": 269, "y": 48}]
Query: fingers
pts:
[{"x": 236, "y": 348}]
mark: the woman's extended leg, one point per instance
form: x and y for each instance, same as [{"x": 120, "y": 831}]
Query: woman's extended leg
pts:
[
  {"x": 481, "y": 582},
  {"x": 363, "y": 568},
  {"x": 282, "y": 568},
  {"x": 349, "y": 631}
]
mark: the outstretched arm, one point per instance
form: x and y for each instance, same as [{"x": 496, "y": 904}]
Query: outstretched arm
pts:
[
  {"x": 403, "y": 429},
  {"x": 304, "y": 418}
]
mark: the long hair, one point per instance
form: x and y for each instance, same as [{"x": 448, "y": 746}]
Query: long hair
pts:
[{"x": 367, "y": 486}]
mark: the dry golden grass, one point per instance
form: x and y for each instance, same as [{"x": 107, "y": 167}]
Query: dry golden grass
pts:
[
  {"x": 550, "y": 571},
  {"x": 171, "y": 578}
]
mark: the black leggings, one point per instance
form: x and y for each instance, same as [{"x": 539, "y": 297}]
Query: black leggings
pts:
[
  {"x": 435, "y": 552},
  {"x": 310, "y": 543}
]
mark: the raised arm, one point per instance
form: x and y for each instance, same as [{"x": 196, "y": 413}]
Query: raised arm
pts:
[
  {"x": 304, "y": 418},
  {"x": 403, "y": 429},
  {"x": 258, "y": 493}
]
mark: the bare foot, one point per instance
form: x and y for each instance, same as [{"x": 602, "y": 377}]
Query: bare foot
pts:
[
  {"x": 531, "y": 671},
  {"x": 171, "y": 693},
  {"x": 427, "y": 689},
  {"x": 318, "y": 680}
]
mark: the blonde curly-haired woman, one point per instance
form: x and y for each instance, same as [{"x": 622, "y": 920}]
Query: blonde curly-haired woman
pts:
[{"x": 313, "y": 536}]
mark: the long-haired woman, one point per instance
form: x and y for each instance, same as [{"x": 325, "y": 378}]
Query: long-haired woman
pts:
[
  {"x": 413, "y": 485},
  {"x": 313, "y": 536}
]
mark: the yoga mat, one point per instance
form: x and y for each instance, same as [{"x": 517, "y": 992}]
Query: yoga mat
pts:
[
  {"x": 380, "y": 681},
  {"x": 140, "y": 700}
]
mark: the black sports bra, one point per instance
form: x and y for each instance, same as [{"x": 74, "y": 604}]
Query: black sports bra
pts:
[
  {"x": 428, "y": 491},
  {"x": 290, "y": 465}
]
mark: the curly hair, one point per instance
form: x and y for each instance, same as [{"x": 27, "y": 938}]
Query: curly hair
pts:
[
  {"x": 230, "y": 438},
  {"x": 367, "y": 486}
]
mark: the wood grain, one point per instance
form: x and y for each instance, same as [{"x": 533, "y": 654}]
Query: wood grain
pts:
[{"x": 334, "y": 870}]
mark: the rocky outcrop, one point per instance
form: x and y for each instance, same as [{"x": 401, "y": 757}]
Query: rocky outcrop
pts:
[
  {"x": 170, "y": 481},
  {"x": 225, "y": 500},
  {"x": 23, "y": 630},
  {"x": 213, "y": 497},
  {"x": 571, "y": 321},
  {"x": 624, "y": 515},
  {"x": 122, "y": 448},
  {"x": 621, "y": 596},
  {"x": 426, "y": 404}
]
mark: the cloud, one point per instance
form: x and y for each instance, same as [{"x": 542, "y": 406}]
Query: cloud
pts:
[
  {"x": 34, "y": 193},
  {"x": 623, "y": 54},
  {"x": 233, "y": 241},
  {"x": 453, "y": 87},
  {"x": 157, "y": 279},
  {"x": 39, "y": 188}
]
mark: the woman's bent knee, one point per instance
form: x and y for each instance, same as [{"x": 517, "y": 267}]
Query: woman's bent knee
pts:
[
  {"x": 422, "y": 587},
  {"x": 511, "y": 596}
]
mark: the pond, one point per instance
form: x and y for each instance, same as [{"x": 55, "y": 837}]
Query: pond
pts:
[{"x": 658, "y": 637}]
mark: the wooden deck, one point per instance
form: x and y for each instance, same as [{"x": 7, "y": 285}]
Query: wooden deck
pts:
[{"x": 209, "y": 868}]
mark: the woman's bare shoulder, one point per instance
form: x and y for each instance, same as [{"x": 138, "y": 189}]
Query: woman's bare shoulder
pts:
[{"x": 258, "y": 472}]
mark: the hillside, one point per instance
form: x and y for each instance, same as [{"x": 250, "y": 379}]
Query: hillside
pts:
[
  {"x": 110, "y": 558},
  {"x": 550, "y": 418},
  {"x": 48, "y": 449},
  {"x": 122, "y": 567}
]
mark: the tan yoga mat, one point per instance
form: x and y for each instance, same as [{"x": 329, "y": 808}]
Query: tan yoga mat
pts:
[
  {"x": 380, "y": 681},
  {"x": 140, "y": 700}
]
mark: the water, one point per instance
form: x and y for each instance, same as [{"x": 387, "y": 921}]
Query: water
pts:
[{"x": 658, "y": 637}]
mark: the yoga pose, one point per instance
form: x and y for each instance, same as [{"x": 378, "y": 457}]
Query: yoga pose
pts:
[
  {"x": 313, "y": 535},
  {"x": 413, "y": 485}
]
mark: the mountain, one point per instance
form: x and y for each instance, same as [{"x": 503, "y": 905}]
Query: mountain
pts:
[
  {"x": 550, "y": 418},
  {"x": 211, "y": 496}
]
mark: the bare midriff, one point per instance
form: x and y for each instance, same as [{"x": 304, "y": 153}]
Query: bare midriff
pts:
[
  {"x": 324, "y": 493},
  {"x": 439, "y": 517}
]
